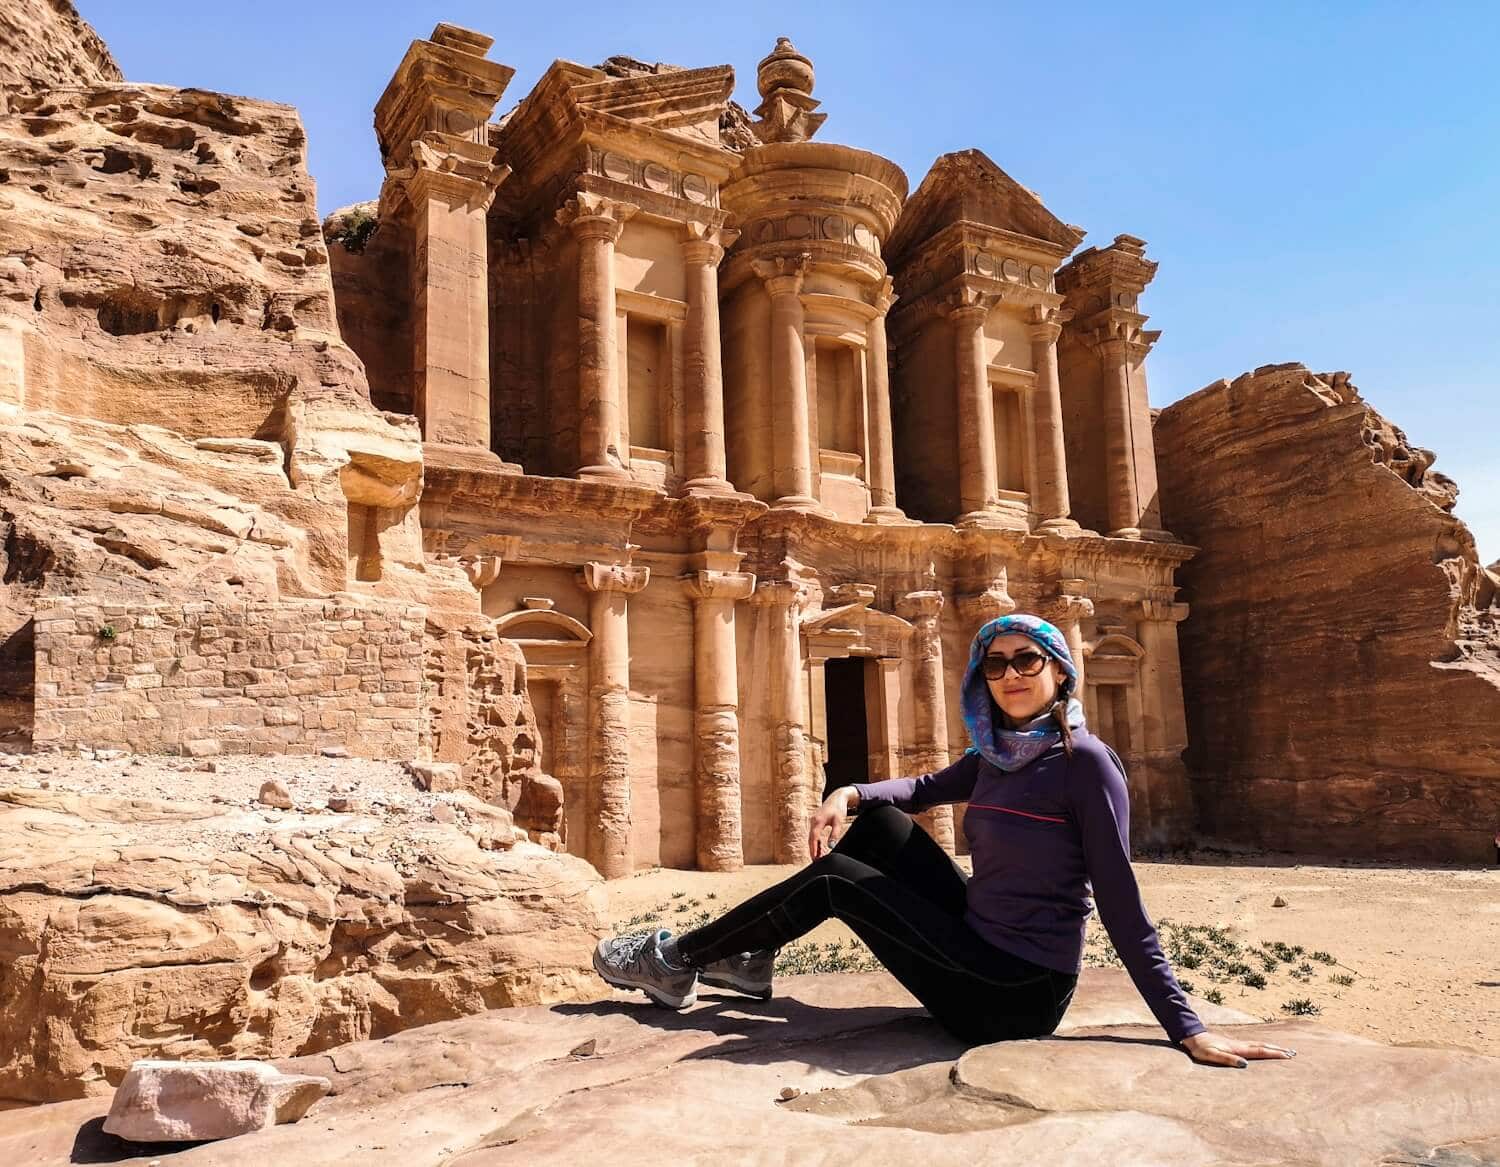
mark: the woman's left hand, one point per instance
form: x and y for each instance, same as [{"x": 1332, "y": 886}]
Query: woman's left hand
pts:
[{"x": 1214, "y": 1049}]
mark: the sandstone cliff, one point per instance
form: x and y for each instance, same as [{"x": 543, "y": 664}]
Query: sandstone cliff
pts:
[
  {"x": 1341, "y": 665},
  {"x": 45, "y": 43}
]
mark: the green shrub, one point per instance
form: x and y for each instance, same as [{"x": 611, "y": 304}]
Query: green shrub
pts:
[{"x": 355, "y": 231}]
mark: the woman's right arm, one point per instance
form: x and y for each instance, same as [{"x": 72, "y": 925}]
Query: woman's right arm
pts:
[{"x": 953, "y": 783}]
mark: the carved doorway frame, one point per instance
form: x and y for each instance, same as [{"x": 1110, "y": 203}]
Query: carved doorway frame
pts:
[
  {"x": 556, "y": 650},
  {"x": 857, "y": 630}
]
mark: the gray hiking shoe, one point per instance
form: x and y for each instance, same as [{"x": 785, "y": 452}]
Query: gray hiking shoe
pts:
[
  {"x": 744, "y": 972},
  {"x": 634, "y": 961}
]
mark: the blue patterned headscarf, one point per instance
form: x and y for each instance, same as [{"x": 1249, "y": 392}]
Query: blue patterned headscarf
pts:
[{"x": 1010, "y": 749}]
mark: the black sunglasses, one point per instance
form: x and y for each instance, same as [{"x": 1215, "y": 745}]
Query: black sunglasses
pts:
[{"x": 1027, "y": 663}]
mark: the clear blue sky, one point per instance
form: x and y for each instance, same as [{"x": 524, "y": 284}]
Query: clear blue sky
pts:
[{"x": 1321, "y": 182}]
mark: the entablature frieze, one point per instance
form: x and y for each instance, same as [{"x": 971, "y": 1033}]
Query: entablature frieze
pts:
[
  {"x": 841, "y": 260},
  {"x": 967, "y": 248},
  {"x": 1103, "y": 273},
  {"x": 913, "y": 312}
]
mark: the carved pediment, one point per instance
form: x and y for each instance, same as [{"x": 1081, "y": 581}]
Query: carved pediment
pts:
[
  {"x": 966, "y": 186},
  {"x": 856, "y": 630}
]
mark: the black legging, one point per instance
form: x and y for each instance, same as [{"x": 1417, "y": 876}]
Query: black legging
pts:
[{"x": 901, "y": 894}]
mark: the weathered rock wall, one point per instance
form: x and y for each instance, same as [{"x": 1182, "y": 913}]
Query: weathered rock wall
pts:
[
  {"x": 179, "y": 417},
  {"x": 1341, "y": 663},
  {"x": 241, "y": 678},
  {"x": 212, "y": 927},
  {"x": 45, "y": 43}
]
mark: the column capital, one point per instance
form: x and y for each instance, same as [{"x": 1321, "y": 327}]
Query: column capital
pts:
[
  {"x": 969, "y": 305},
  {"x": 592, "y": 216},
  {"x": 1162, "y": 607},
  {"x": 884, "y": 296},
  {"x": 446, "y": 169},
  {"x": 1120, "y": 337},
  {"x": 1067, "y": 608},
  {"x": 704, "y": 243},
  {"x": 613, "y": 577},
  {"x": 919, "y": 605},
  {"x": 982, "y": 607},
  {"x": 783, "y": 275},
  {"x": 781, "y": 592},
  {"x": 1044, "y": 331},
  {"x": 719, "y": 585}
]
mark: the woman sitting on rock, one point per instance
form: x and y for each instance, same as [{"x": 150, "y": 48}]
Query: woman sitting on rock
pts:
[{"x": 993, "y": 957}]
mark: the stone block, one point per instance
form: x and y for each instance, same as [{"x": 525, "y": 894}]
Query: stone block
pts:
[{"x": 163, "y": 1101}]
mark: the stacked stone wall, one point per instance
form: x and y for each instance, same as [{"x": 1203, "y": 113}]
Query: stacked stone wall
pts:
[{"x": 255, "y": 677}]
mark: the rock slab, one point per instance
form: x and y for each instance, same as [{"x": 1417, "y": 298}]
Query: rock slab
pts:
[
  {"x": 872, "y": 1080},
  {"x": 141, "y": 927},
  {"x": 196, "y": 1101}
]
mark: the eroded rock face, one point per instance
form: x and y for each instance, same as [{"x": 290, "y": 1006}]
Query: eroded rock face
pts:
[
  {"x": 45, "y": 43},
  {"x": 135, "y": 927},
  {"x": 161, "y": 264},
  {"x": 1341, "y": 663},
  {"x": 873, "y": 1081}
]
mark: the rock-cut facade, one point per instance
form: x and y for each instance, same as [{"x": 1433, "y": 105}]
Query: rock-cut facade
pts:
[{"x": 741, "y": 439}]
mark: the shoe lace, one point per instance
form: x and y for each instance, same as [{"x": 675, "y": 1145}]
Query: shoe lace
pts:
[{"x": 632, "y": 945}]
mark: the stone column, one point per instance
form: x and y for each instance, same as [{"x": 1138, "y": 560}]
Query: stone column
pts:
[
  {"x": 1068, "y": 611},
  {"x": 930, "y": 702},
  {"x": 596, "y": 223},
  {"x": 881, "y": 471},
  {"x": 706, "y": 469},
  {"x": 1124, "y": 507},
  {"x": 1165, "y": 729},
  {"x": 781, "y": 600},
  {"x": 792, "y": 468},
  {"x": 716, "y": 717},
  {"x": 609, "y": 585},
  {"x": 450, "y": 306},
  {"x": 1050, "y": 494},
  {"x": 431, "y": 124},
  {"x": 977, "y": 481}
]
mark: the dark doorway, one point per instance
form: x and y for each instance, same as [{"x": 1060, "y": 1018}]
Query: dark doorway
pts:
[{"x": 848, "y": 729}]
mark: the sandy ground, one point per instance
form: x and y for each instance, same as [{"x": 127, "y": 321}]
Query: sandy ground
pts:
[{"x": 1422, "y": 944}]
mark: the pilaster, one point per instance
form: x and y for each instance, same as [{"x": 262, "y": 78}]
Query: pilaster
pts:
[
  {"x": 929, "y": 701},
  {"x": 609, "y": 586},
  {"x": 718, "y": 834},
  {"x": 793, "y": 454},
  {"x": 596, "y": 223},
  {"x": 441, "y": 176},
  {"x": 791, "y": 780}
]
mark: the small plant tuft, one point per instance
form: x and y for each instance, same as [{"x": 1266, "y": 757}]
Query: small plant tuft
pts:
[
  {"x": 355, "y": 231},
  {"x": 1301, "y": 1007},
  {"x": 107, "y": 632},
  {"x": 1214, "y": 997},
  {"x": 1343, "y": 979}
]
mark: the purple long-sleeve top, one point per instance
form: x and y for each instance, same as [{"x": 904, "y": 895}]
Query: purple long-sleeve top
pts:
[{"x": 1041, "y": 838}]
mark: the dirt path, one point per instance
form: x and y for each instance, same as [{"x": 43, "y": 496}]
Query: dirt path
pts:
[{"x": 1421, "y": 944}]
